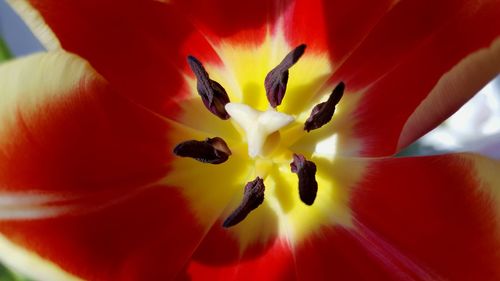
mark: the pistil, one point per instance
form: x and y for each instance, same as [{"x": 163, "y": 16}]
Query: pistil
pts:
[{"x": 258, "y": 125}]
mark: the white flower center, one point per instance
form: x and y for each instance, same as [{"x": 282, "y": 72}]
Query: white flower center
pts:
[{"x": 258, "y": 125}]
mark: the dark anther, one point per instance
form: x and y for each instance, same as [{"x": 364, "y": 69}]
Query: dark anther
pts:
[
  {"x": 213, "y": 151},
  {"x": 212, "y": 93},
  {"x": 277, "y": 78},
  {"x": 322, "y": 113},
  {"x": 306, "y": 171},
  {"x": 252, "y": 198}
]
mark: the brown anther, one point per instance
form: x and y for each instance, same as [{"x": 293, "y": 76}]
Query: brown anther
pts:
[
  {"x": 306, "y": 171},
  {"x": 277, "y": 79},
  {"x": 322, "y": 113},
  {"x": 211, "y": 150},
  {"x": 253, "y": 196},
  {"x": 213, "y": 95}
]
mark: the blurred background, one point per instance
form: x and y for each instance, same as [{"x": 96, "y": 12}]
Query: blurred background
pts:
[{"x": 475, "y": 127}]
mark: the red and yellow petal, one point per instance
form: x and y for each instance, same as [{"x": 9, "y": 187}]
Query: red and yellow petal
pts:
[
  {"x": 425, "y": 218},
  {"x": 149, "y": 235},
  {"x": 419, "y": 218},
  {"x": 451, "y": 92},
  {"x": 82, "y": 178},
  {"x": 140, "y": 47},
  {"x": 395, "y": 57},
  {"x": 64, "y": 128},
  {"x": 419, "y": 48}
]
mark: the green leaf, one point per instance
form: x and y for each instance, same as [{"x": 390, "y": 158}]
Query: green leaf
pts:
[
  {"x": 7, "y": 275},
  {"x": 5, "y": 54}
]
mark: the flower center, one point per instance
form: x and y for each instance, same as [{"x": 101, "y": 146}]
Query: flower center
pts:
[
  {"x": 255, "y": 135},
  {"x": 257, "y": 126}
]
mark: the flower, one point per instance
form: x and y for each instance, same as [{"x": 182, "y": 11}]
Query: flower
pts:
[{"x": 92, "y": 190}]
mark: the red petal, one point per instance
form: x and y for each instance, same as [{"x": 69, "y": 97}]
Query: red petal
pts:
[
  {"x": 404, "y": 57},
  {"x": 78, "y": 137},
  {"x": 220, "y": 258},
  {"x": 466, "y": 78},
  {"x": 78, "y": 172},
  {"x": 148, "y": 237},
  {"x": 336, "y": 25},
  {"x": 335, "y": 255},
  {"x": 140, "y": 47},
  {"x": 427, "y": 218},
  {"x": 242, "y": 21}
]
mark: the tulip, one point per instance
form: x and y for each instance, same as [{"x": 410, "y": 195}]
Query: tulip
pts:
[{"x": 229, "y": 140}]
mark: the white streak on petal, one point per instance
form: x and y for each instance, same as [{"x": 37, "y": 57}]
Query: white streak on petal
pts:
[
  {"x": 29, "y": 263},
  {"x": 39, "y": 205}
]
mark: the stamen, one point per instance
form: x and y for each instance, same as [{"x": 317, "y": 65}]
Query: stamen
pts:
[
  {"x": 214, "y": 96},
  {"x": 211, "y": 150},
  {"x": 252, "y": 198},
  {"x": 277, "y": 79},
  {"x": 306, "y": 171},
  {"x": 322, "y": 113}
]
